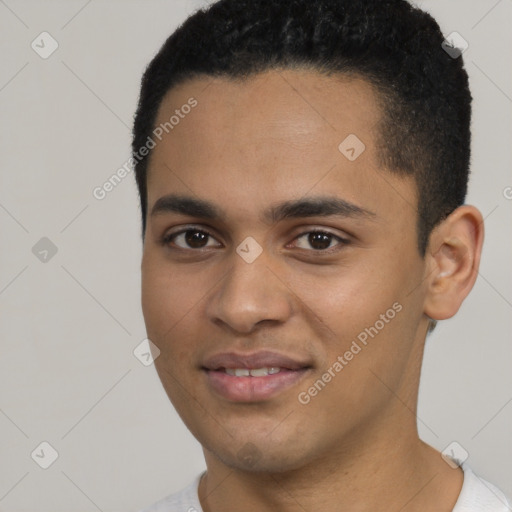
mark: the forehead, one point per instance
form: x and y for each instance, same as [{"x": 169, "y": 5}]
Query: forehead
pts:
[
  {"x": 275, "y": 135},
  {"x": 294, "y": 106}
]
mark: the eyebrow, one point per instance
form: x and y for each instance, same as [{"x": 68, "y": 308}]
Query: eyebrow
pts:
[{"x": 320, "y": 206}]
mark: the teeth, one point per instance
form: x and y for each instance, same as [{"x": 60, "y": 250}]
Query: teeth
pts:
[
  {"x": 259, "y": 372},
  {"x": 256, "y": 372}
]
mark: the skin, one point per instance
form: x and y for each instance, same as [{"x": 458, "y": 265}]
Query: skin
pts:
[{"x": 355, "y": 445}]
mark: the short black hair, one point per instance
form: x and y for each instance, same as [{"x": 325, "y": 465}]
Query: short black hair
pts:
[{"x": 423, "y": 91}]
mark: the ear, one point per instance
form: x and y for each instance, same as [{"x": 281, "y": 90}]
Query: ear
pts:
[{"x": 453, "y": 258}]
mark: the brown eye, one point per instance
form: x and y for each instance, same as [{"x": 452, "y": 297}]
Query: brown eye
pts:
[
  {"x": 319, "y": 240},
  {"x": 189, "y": 239}
]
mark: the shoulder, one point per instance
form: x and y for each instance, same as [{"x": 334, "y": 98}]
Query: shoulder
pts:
[
  {"x": 478, "y": 495},
  {"x": 186, "y": 500}
]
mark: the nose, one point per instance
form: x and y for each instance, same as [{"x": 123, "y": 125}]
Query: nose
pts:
[{"x": 250, "y": 294}]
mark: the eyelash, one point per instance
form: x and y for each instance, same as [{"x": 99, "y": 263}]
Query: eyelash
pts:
[{"x": 167, "y": 239}]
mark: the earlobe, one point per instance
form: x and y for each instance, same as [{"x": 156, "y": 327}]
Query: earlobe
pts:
[{"x": 453, "y": 261}]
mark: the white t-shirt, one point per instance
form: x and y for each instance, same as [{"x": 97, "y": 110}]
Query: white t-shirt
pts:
[{"x": 476, "y": 495}]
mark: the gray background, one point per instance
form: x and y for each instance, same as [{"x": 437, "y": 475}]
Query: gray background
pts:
[{"x": 69, "y": 325}]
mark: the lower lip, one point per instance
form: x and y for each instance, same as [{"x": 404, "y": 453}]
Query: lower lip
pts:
[{"x": 252, "y": 389}]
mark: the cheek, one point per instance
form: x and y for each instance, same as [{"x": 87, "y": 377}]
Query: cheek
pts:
[
  {"x": 367, "y": 315},
  {"x": 374, "y": 321},
  {"x": 167, "y": 297},
  {"x": 349, "y": 299},
  {"x": 167, "y": 315}
]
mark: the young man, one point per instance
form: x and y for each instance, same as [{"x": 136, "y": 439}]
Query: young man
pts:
[{"x": 302, "y": 169}]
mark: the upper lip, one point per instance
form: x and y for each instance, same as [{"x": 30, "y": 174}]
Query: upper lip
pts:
[{"x": 261, "y": 359}]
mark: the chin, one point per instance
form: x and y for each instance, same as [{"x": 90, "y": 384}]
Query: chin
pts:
[{"x": 260, "y": 455}]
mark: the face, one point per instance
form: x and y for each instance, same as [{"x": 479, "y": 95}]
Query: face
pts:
[{"x": 274, "y": 255}]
